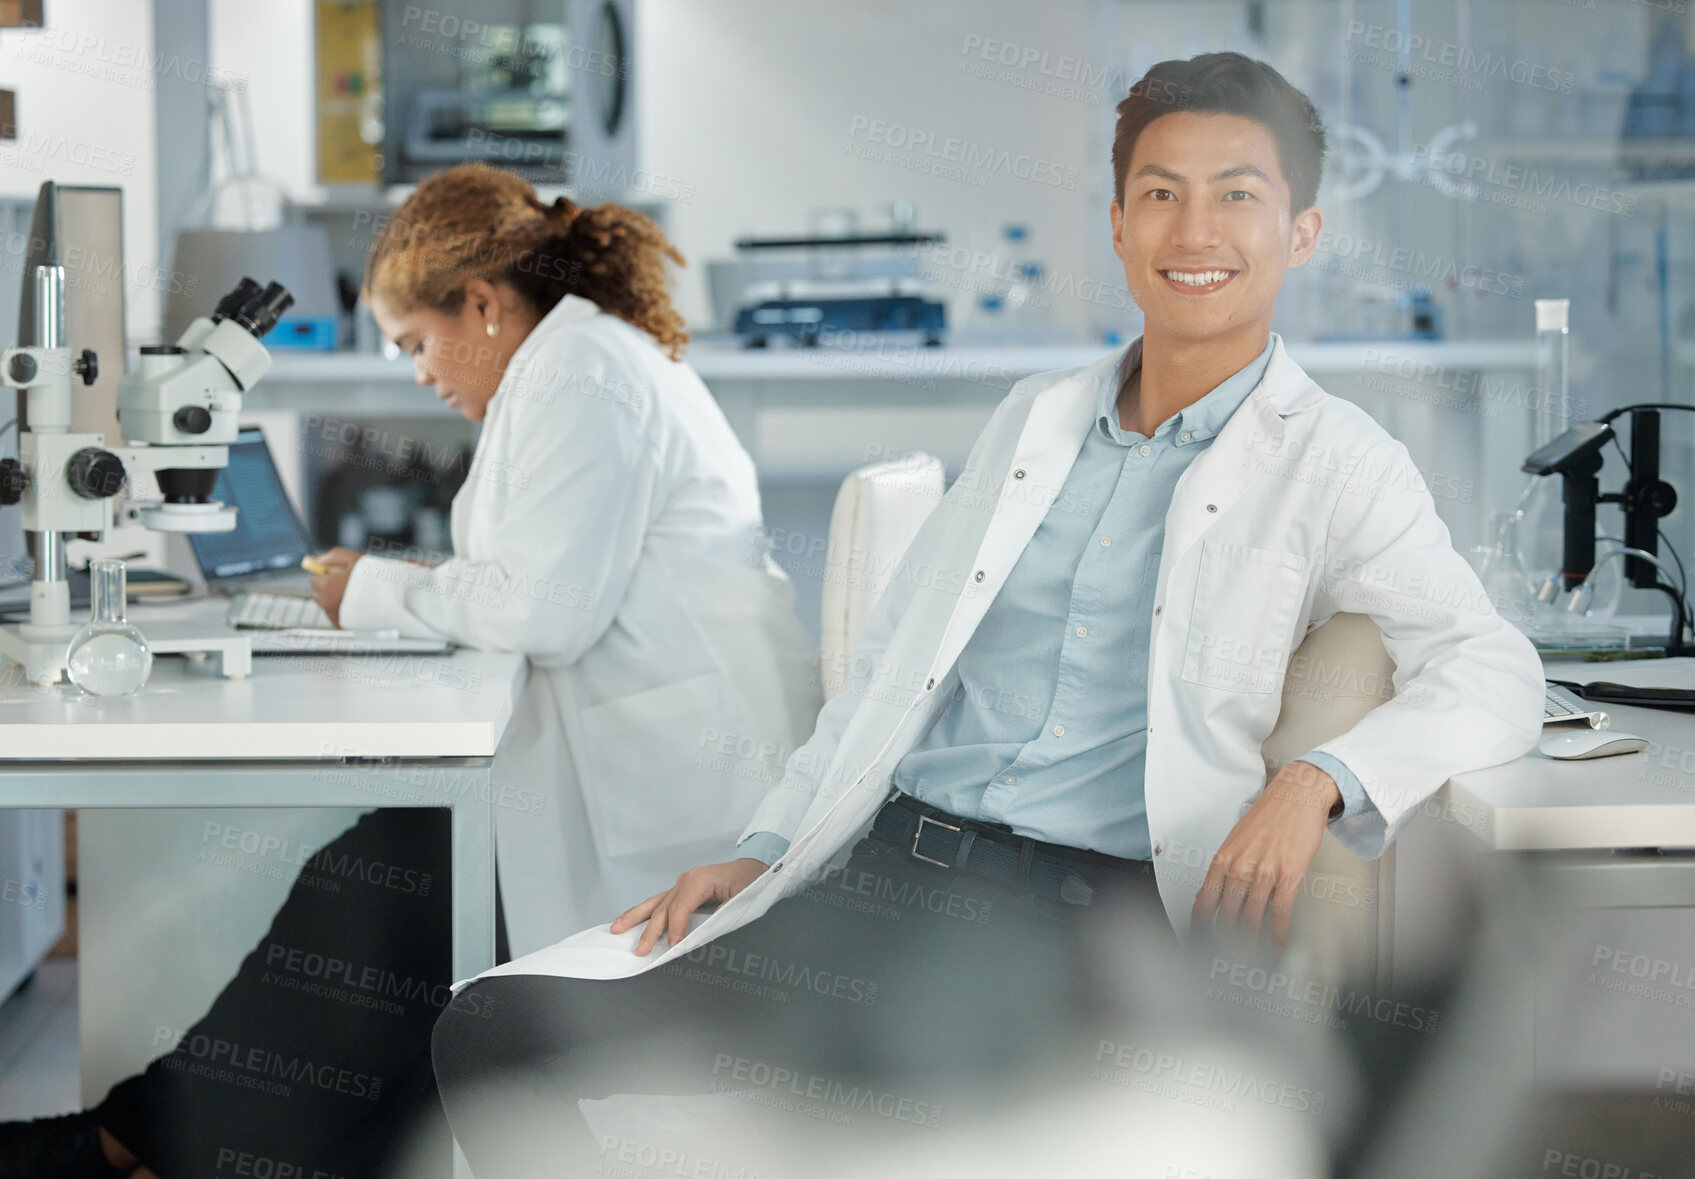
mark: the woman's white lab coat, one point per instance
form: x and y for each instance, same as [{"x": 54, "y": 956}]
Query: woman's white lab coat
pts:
[
  {"x": 1302, "y": 507},
  {"x": 610, "y": 529}
]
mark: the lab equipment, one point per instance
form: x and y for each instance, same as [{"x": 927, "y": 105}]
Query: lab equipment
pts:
[
  {"x": 180, "y": 406},
  {"x": 1536, "y": 529},
  {"x": 178, "y": 411},
  {"x": 1363, "y": 162},
  {"x": 1583, "y": 744},
  {"x": 1576, "y": 457},
  {"x": 515, "y": 129},
  {"x": 1661, "y": 106},
  {"x": 108, "y": 656},
  {"x": 1553, "y": 363},
  {"x": 806, "y": 289},
  {"x": 1559, "y": 705}
]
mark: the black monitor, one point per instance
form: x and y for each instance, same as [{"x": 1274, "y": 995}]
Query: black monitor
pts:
[{"x": 269, "y": 536}]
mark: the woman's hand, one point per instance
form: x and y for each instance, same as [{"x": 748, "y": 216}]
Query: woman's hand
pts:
[
  {"x": 669, "y": 912},
  {"x": 329, "y": 588}
]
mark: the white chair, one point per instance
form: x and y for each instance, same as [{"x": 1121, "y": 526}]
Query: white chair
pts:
[
  {"x": 1342, "y": 920},
  {"x": 878, "y": 511}
]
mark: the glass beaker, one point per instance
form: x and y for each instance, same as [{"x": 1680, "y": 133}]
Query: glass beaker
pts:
[{"x": 108, "y": 657}]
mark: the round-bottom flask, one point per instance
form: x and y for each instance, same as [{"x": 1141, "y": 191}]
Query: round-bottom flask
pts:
[{"x": 108, "y": 657}]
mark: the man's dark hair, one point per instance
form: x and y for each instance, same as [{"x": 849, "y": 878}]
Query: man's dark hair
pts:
[{"x": 1231, "y": 84}]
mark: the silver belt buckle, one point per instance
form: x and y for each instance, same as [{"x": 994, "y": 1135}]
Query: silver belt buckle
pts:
[{"x": 919, "y": 834}]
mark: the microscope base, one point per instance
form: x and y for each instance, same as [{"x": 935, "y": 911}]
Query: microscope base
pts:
[
  {"x": 198, "y": 640},
  {"x": 39, "y": 650}
]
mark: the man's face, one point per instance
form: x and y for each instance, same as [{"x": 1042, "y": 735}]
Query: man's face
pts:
[{"x": 1205, "y": 231}]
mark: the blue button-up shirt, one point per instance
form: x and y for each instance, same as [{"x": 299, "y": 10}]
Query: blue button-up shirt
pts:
[{"x": 1047, "y": 730}]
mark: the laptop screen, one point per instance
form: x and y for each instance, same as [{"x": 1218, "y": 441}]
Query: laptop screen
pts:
[{"x": 268, "y": 534}]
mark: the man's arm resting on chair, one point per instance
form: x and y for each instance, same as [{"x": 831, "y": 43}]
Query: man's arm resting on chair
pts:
[
  {"x": 1468, "y": 694},
  {"x": 1265, "y": 857}
]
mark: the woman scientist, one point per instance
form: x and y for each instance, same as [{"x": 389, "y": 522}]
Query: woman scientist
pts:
[
  {"x": 609, "y": 529},
  {"x": 605, "y": 531}
]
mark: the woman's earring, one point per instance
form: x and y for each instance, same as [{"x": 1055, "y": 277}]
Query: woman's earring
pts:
[{"x": 493, "y": 329}]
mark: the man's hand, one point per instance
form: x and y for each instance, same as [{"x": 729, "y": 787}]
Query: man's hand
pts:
[
  {"x": 668, "y": 913},
  {"x": 1267, "y": 853},
  {"x": 329, "y": 588}
]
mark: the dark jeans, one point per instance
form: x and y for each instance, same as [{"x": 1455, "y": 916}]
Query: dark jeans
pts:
[
  {"x": 878, "y": 1003},
  {"x": 316, "y": 1055}
]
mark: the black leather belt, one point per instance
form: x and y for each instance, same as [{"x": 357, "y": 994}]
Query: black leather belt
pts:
[{"x": 991, "y": 851}]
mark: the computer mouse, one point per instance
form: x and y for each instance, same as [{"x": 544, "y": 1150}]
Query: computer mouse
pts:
[{"x": 1580, "y": 744}]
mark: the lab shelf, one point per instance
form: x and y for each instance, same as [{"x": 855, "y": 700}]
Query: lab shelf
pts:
[{"x": 345, "y": 382}]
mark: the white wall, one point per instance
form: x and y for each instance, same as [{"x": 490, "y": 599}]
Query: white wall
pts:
[
  {"x": 85, "y": 116},
  {"x": 271, "y": 47},
  {"x": 758, "y": 107}
]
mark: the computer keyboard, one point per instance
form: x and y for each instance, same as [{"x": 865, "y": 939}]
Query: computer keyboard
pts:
[
  {"x": 275, "y": 612},
  {"x": 1560, "y": 705}
]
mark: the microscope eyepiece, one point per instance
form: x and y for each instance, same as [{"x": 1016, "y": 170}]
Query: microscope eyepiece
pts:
[
  {"x": 254, "y": 307},
  {"x": 232, "y": 303},
  {"x": 272, "y": 303}
]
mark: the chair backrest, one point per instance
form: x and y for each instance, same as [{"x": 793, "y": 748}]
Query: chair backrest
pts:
[
  {"x": 1340, "y": 672},
  {"x": 878, "y": 511}
]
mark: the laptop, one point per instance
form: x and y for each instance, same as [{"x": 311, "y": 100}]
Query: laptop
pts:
[
  {"x": 261, "y": 556},
  {"x": 264, "y": 549}
]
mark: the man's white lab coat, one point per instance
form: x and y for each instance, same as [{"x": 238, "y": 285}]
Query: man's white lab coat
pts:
[
  {"x": 610, "y": 530},
  {"x": 1302, "y": 507}
]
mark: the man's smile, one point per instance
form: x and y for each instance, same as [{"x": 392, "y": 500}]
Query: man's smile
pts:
[{"x": 1198, "y": 282}]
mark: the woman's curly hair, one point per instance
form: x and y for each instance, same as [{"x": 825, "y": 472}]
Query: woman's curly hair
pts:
[{"x": 473, "y": 221}]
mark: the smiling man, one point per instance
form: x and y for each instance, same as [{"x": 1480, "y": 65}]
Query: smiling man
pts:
[{"x": 1073, "y": 738}]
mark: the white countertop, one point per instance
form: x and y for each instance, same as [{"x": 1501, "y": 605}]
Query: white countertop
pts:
[
  {"x": 292, "y": 707},
  {"x": 1644, "y": 799}
]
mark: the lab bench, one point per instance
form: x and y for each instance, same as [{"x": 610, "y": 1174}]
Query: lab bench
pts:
[
  {"x": 1615, "y": 838},
  {"x": 167, "y": 915}
]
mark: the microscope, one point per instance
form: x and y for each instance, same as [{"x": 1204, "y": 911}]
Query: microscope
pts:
[
  {"x": 178, "y": 412},
  {"x": 1576, "y": 457}
]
